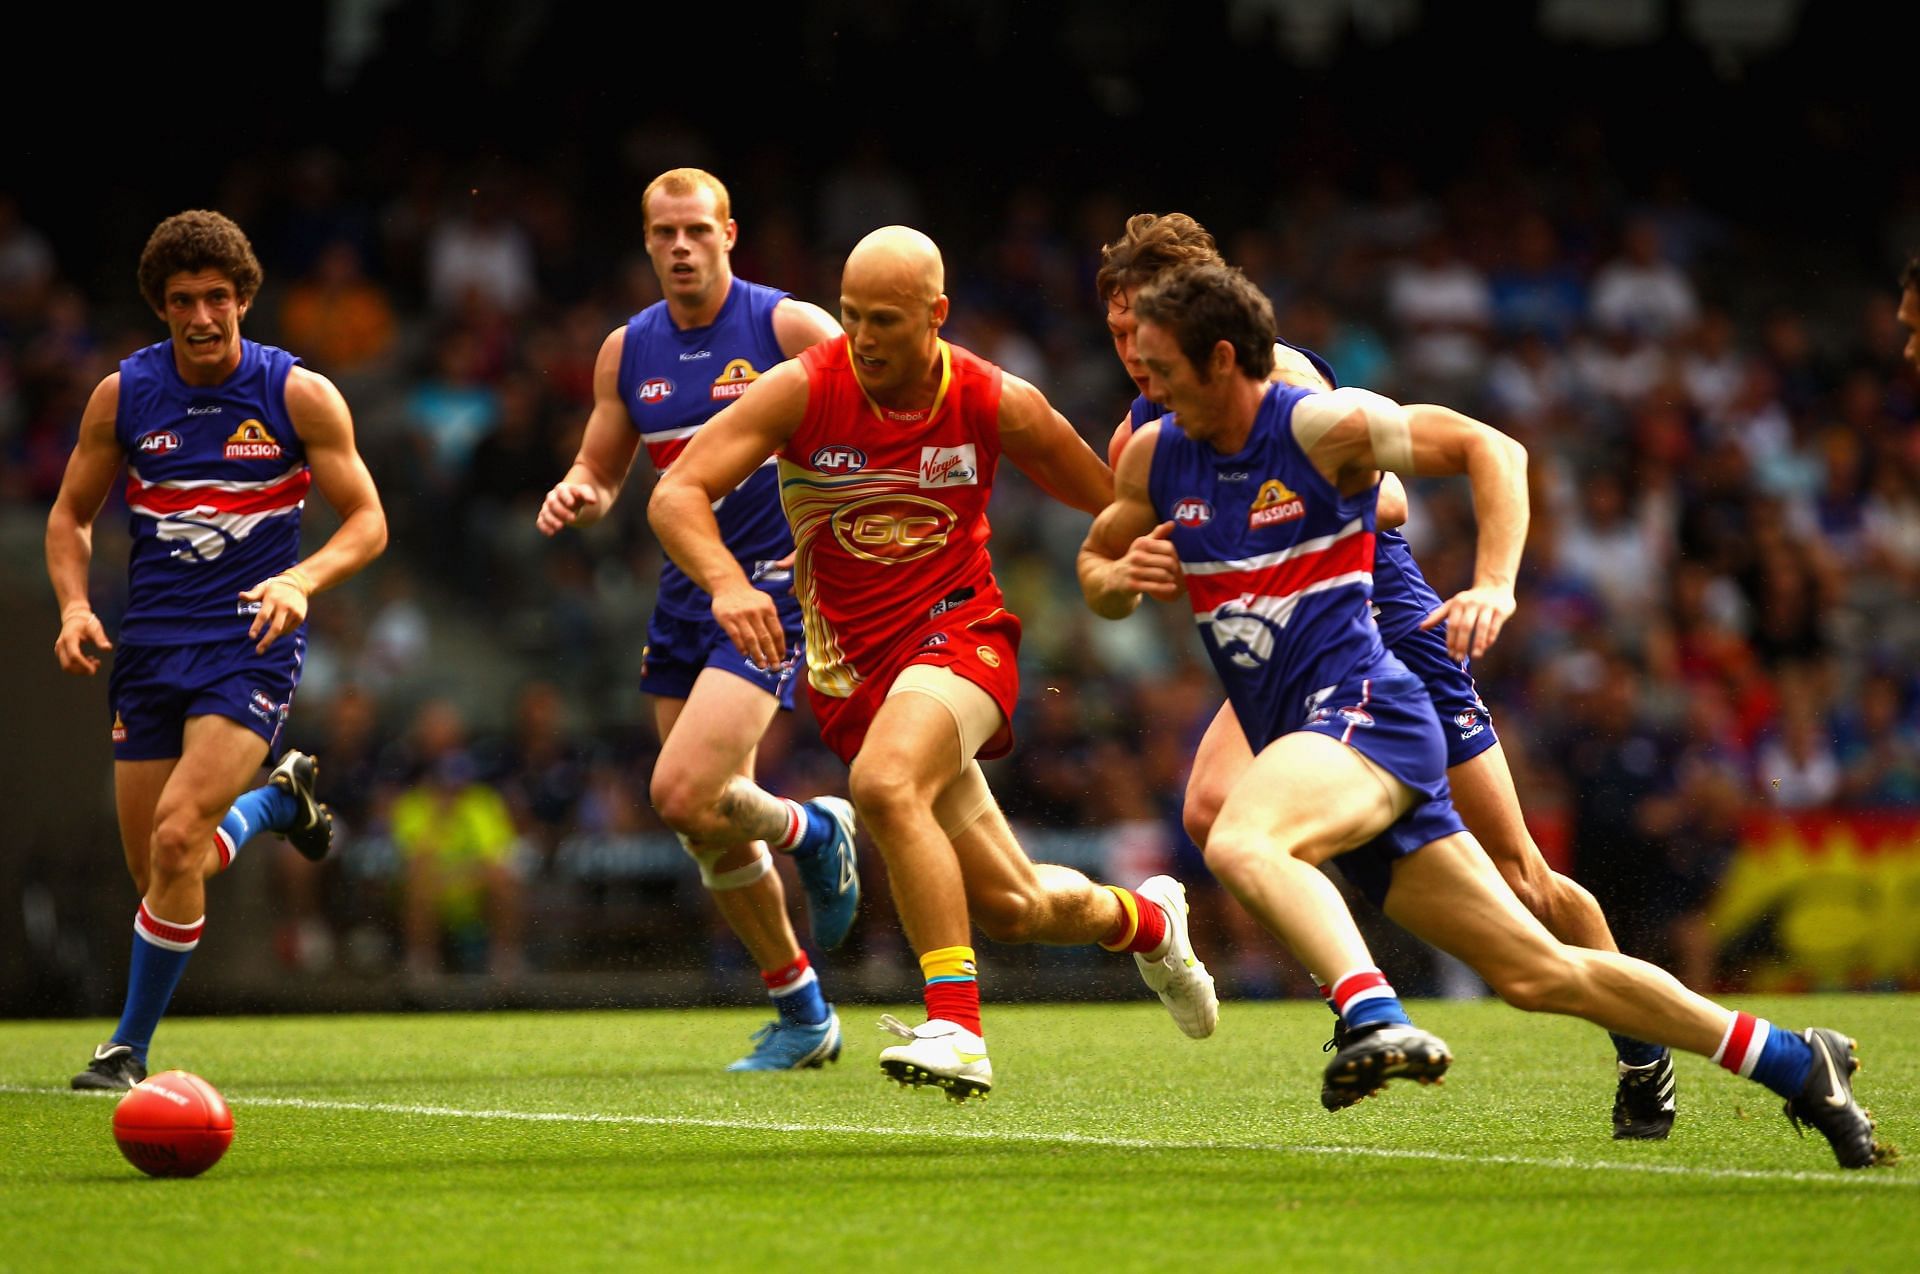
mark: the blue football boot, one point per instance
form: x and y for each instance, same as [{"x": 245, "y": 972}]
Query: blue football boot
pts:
[
  {"x": 830, "y": 875},
  {"x": 786, "y": 1046}
]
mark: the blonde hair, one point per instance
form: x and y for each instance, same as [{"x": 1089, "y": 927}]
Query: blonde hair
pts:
[{"x": 681, "y": 182}]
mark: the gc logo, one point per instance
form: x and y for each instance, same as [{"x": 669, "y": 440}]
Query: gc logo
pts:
[{"x": 893, "y": 528}]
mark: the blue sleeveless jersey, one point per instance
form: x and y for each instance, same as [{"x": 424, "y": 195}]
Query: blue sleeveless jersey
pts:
[
  {"x": 1401, "y": 595},
  {"x": 216, "y": 480},
  {"x": 1279, "y": 568},
  {"x": 673, "y": 382}
]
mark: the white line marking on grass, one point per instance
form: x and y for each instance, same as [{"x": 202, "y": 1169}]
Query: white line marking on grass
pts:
[{"x": 1881, "y": 1178}]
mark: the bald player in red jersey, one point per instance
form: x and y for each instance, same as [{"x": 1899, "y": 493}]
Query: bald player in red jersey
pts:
[{"x": 888, "y": 441}]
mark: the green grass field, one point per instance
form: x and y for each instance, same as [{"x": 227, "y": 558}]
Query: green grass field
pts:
[{"x": 599, "y": 1139}]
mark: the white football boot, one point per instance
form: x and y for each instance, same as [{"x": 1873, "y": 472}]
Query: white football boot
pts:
[
  {"x": 1178, "y": 978},
  {"x": 940, "y": 1053}
]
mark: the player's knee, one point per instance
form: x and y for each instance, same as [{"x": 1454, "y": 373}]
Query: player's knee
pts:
[
  {"x": 1199, "y": 810},
  {"x": 881, "y": 794},
  {"x": 1235, "y": 859},
  {"x": 1534, "y": 890},
  {"x": 685, "y": 806},
  {"x": 181, "y": 848}
]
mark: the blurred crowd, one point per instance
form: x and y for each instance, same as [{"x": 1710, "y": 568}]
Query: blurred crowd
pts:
[{"x": 1714, "y": 617}]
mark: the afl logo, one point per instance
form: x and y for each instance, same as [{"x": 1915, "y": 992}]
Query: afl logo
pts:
[
  {"x": 159, "y": 444},
  {"x": 834, "y": 460},
  {"x": 1465, "y": 720},
  {"x": 1355, "y": 715},
  {"x": 893, "y": 528},
  {"x": 657, "y": 390},
  {"x": 1192, "y": 513}
]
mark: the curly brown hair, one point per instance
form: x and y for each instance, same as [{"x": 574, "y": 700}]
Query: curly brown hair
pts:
[
  {"x": 1202, "y": 305},
  {"x": 1152, "y": 244},
  {"x": 189, "y": 242}
]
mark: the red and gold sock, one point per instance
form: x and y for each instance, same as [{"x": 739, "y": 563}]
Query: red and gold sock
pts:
[
  {"x": 953, "y": 986},
  {"x": 1143, "y": 925}
]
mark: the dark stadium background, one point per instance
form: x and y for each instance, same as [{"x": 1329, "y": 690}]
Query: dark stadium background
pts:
[{"x": 1727, "y": 514}]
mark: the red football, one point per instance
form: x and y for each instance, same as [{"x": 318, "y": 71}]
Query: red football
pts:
[{"x": 173, "y": 1125}]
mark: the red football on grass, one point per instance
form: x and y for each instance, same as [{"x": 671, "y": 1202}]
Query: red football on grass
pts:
[{"x": 173, "y": 1125}]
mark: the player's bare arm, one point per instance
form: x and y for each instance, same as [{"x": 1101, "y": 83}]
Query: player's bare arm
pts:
[
  {"x": 1390, "y": 508},
  {"x": 1352, "y": 434},
  {"x": 592, "y": 483},
  {"x": 1049, "y": 450},
  {"x": 800, "y": 325},
  {"x": 1291, "y": 367},
  {"x": 83, "y": 489},
  {"x": 320, "y": 416},
  {"x": 719, "y": 458},
  {"x": 1127, "y": 554}
]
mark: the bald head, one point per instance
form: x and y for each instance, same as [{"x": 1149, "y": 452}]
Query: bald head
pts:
[{"x": 898, "y": 260}]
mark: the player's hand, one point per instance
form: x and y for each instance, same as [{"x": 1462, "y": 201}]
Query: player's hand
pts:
[
  {"x": 80, "y": 628},
  {"x": 283, "y": 608},
  {"x": 563, "y": 506},
  {"x": 1474, "y": 619},
  {"x": 1150, "y": 566},
  {"x": 751, "y": 621}
]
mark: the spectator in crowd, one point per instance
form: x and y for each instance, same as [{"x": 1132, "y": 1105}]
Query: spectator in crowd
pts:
[
  {"x": 341, "y": 319},
  {"x": 457, "y": 839},
  {"x": 1641, "y": 291}
]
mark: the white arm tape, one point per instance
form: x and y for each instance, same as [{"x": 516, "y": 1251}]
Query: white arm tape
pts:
[{"x": 1387, "y": 427}]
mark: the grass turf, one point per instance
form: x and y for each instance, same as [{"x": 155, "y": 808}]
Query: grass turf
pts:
[{"x": 586, "y": 1140}]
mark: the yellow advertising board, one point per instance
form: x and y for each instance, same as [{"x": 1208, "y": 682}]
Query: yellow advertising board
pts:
[{"x": 1821, "y": 901}]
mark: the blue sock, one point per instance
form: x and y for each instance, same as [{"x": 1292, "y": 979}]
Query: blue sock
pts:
[
  {"x": 1364, "y": 998},
  {"x": 264, "y": 809},
  {"x": 795, "y": 992},
  {"x": 816, "y": 833},
  {"x": 1633, "y": 1052},
  {"x": 160, "y": 954},
  {"x": 1784, "y": 1062},
  {"x": 804, "y": 1006}
]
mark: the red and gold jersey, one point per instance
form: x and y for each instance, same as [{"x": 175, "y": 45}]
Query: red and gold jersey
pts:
[{"x": 889, "y": 514}]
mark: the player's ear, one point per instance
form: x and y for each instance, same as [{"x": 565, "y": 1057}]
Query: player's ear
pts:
[
  {"x": 1222, "y": 360},
  {"x": 733, "y": 234},
  {"x": 939, "y": 310}
]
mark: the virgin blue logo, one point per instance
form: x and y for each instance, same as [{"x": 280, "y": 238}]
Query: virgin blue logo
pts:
[{"x": 834, "y": 459}]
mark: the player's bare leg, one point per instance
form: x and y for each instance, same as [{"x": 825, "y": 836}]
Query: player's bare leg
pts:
[
  {"x": 1484, "y": 794},
  {"x": 912, "y": 753},
  {"x": 1304, "y": 799},
  {"x": 1014, "y": 899},
  {"x": 1222, "y": 757},
  {"x": 704, "y": 790},
  {"x": 218, "y": 761},
  {"x": 169, "y": 811},
  {"x": 702, "y": 782},
  {"x": 701, "y": 754},
  {"x": 1645, "y": 1099},
  {"x": 136, "y": 794},
  {"x": 1450, "y": 894}
]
